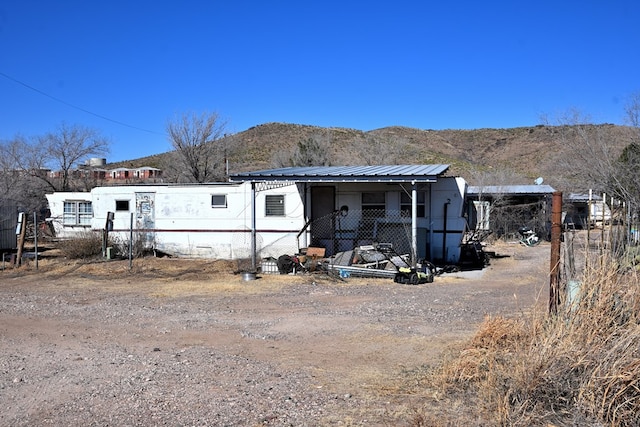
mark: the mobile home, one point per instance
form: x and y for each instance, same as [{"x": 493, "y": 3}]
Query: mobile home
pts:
[
  {"x": 279, "y": 211},
  {"x": 199, "y": 220}
]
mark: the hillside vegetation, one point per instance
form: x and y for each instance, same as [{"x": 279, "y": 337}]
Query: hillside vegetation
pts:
[{"x": 523, "y": 153}]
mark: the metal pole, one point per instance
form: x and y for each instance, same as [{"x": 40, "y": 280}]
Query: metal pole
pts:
[
  {"x": 131, "y": 242},
  {"x": 554, "y": 273},
  {"x": 35, "y": 236},
  {"x": 414, "y": 224},
  {"x": 444, "y": 231},
  {"x": 254, "y": 264},
  {"x": 588, "y": 246}
]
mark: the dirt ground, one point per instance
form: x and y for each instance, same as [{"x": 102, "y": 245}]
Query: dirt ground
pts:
[{"x": 183, "y": 342}]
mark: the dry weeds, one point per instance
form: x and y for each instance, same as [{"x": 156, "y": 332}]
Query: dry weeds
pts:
[{"x": 581, "y": 367}]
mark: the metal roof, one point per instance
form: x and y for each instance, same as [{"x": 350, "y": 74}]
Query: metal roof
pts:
[
  {"x": 511, "y": 189},
  {"x": 583, "y": 197},
  {"x": 395, "y": 173}
]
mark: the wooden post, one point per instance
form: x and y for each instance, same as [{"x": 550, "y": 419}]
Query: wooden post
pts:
[
  {"x": 604, "y": 207},
  {"x": 22, "y": 232},
  {"x": 588, "y": 245},
  {"x": 554, "y": 271}
]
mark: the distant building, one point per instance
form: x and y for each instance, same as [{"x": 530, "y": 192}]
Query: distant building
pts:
[{"x": 145, "y": 174}]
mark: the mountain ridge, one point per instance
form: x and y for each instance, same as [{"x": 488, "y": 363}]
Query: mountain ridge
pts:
[{"x": 526, "y": 152}]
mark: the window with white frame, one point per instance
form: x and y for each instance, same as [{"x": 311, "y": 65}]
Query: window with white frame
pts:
[
  {"x": 405, "y": 204},
  {"x": 274, "y": 205},
  {"x": 218, "y": 200},
  {"x": 77, "y": 213}
]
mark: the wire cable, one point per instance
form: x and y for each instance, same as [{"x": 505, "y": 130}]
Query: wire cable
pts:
[{"x": 78, "y": 108}]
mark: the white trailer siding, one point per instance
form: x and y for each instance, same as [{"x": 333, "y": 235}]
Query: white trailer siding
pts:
[
  {"x": 74, "y": 220},
  {"x": 216, "y": 220},
  {"x": 447, "y": 231},
  {"x": 199, "y": 221},
  {"x": 208, "y": 221}
]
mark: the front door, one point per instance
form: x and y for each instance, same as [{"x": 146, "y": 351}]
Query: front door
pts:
[
  {"x": 146, "y": 219},
  {"x": 322, "y": 226}
]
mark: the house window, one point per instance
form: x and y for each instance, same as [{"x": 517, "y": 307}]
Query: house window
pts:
[
  {"x": 122, "y": 205},
  {"x": 77, "y": 213},
  {"x": 373, "y": 201},
  {"x": 218, "y": 200},
  {"x": 274, "y": 205},
  {"x": 405, "y": 204}
]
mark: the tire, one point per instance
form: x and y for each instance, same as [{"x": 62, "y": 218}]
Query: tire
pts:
[{"x": 414, "y": 279}]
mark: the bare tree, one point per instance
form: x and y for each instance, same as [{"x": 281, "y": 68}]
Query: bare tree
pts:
[
  {"x": 625, "y": 180},
  {"x": 68, "y": 147},
  {"x": 591, "y": 158},
  {"x": 587, "y": 155},
  {"x": 16, "y": 186},
  {"x": 632, "y": 110},
  {"x": 58, "y": 152},
  {"x": 200, "y": 147}
]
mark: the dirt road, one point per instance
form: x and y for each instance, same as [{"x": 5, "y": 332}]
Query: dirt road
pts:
[{"x": 176, "y": 342}]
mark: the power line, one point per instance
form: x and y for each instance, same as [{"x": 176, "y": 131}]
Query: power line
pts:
[{"x": 78, "y": 108}]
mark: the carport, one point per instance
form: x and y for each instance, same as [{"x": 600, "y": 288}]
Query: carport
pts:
[{"x": 408, "y": 177}]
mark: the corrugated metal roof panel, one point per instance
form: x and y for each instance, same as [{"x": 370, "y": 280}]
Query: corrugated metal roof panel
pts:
[
  {"x": 394, "y": 173},
  {"x": 583, "y": 197},
  {"x": 511, "y": 189}
]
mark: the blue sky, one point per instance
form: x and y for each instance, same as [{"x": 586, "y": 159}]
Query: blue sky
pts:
[{"x": 126, "y": 68}]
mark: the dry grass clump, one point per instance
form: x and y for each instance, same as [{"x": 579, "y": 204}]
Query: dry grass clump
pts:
[
  {"x": 84, "y": 246},
  {"x": 581, "y": 367}
]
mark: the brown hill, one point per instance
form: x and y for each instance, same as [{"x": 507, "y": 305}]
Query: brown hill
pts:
[{"x": 524, "y": 152}]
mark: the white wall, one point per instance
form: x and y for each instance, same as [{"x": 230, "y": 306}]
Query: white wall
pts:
[
  {"x": 186, "y": 224},
  {"x": 56, "y": 206},
  {"x": 450, "y": 191}
]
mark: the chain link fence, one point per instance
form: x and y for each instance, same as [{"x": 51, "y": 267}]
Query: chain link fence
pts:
[
  {"x": 346, "y": 230},
  {"x": 343, "y": 231}
]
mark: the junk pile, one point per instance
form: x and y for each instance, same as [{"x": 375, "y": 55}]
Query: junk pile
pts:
[
  {"x": 307, "y": 260},
  {"x": 376, "y": 261},
  {"x": 380, "y": 261},
  {"x": 472, "y": 253}
]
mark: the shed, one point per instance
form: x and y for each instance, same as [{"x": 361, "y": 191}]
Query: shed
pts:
[
  {"x": 580, "y": 208},
  {"x": 504, "y": 209}
]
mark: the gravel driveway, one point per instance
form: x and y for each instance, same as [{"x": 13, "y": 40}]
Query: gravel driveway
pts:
[{"x": 185, "y": 343}]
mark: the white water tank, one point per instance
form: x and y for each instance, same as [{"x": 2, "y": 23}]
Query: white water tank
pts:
[{"x": 97, "y": 162}]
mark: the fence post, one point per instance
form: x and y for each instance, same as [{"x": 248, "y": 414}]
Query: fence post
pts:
[
  {"x": 22, "y": 231},
  {"x": 131, "y": 242},
  {"x": 35, "y": 237},
  {"x": 556, "y": 232}
]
